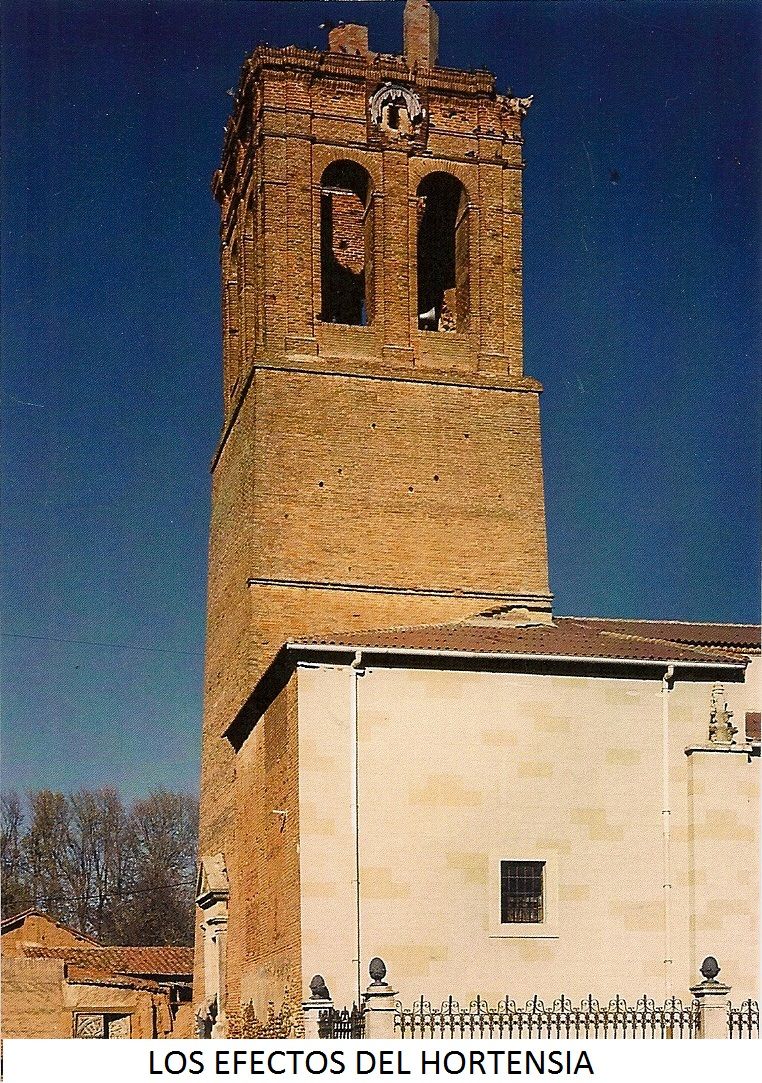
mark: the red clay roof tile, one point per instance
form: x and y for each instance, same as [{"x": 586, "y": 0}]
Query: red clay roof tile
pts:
[
  {"x": 567, "y": 637},
  {"x": 87, "y": 976},
  {"x": 166, "y": 961}
]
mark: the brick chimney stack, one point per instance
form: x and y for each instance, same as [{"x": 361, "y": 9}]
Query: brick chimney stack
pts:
[{"x": 420, "y": 34}]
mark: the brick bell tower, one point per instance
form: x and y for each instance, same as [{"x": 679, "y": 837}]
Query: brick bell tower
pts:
[{"x": 379, "y": 462}]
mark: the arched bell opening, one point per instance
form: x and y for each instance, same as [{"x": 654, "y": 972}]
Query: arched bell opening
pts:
[
  {"x": 346, "y": 244},
  {"x": 443, "y": 243}
]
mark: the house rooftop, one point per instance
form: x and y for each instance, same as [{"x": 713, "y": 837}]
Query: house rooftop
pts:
[
  {"x": 140, "y": 961},
  {"x": 89, "y": 976},
  {"x": 15, "y": 921}
]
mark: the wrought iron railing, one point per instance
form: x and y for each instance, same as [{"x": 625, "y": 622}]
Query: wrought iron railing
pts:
[
  {"x": 589, "y": 1019},
  {"x": 338, "y": 1023},
  {"x": 743, "y": 1022}
]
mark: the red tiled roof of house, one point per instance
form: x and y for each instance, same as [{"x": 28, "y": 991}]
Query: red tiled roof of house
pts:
[
  {"x": 166, "y": 961},
  {"x": 86, "y": 976},
  {"x": 567, "y": 637}
]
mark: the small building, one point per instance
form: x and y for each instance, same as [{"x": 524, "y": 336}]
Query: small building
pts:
[{"x": 59, "y": 983}]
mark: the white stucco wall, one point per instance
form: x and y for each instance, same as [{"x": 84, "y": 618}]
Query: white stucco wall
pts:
[{"x": 459, "y": 769}]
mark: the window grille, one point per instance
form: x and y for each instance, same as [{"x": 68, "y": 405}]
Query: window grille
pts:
[
  {"x": 521, "y": 892},
  {"x": 97, "y": 1025}
]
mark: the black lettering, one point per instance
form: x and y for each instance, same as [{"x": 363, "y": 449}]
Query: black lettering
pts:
[
  {"x": 152, "y": 1066},
  {"x": 172, "y": 1058},
  {"x": 197, "y": 1060},
  {"x": 337, "y": 1060},
  {"x": 386, "y": 1062},
  {"x": 363, "y": 1056},
  {"x": 221, "y": 1062},
  {"x": 401, "y": 1069},
  {"x": 556, "y": 1061},
  {"x": 539, "y": 1065},
  {"x": 322, "y": 1060},
  {"x": 270, "y": 1059},
  {"x": 430, "y": 1063},
  {"x": 583, "y": 1062},
  {"x": 514, "y": 1062},
  {"x": 460, "y": 1060},
  {"x": 477, "y": 1061}
]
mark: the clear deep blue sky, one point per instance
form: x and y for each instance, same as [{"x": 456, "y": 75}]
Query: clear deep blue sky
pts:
[{"x": 642, "y": 322}]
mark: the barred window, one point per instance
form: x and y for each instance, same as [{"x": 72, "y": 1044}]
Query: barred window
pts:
[
  {"x": 97, "y": 1025},
  {"x": 522, "y": 885}
]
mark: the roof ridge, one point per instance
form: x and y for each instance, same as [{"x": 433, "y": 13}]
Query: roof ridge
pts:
[
  {"x": 36, "y": 912},
  {"x": 666, "y": 620},
  {"x": 83, "y": 975},
  {"x": 697, "y": 649},
  {"x": 344, "y": 636}
]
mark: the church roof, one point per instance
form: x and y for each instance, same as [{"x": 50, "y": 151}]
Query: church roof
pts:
[
  {"x": 579, "y": 638},
  {"x": 744, "y": 637}
]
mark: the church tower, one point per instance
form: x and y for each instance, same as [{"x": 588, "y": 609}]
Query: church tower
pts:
[{"x": 379, "y": 463}]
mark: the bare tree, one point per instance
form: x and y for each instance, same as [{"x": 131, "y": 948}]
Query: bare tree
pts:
[
  {"x": 15, "y": 896},
  {"x": 123, "y": 875},
  {"x": 115, "y": 871},
  {"x": 99, "y": 859},
  {"x": 166, "y": 829},
  {"x": 45, "y": 844}
]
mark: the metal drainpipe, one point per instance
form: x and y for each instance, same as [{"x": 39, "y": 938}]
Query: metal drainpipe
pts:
[
  {"x": 666, "y": 685},
  {"x": 356, "y": 671}
]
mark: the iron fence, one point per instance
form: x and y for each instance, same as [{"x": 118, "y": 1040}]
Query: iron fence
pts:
[
  {"x": 562, "y": 1020},
  {"x": 743, "y": 1022},
  {"x": 589, "y": 1019},
  {"x": 338, "y": 1023}
]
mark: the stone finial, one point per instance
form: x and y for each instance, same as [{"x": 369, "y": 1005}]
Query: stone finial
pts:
[
  {"x": 712, "y": 999},
  {"x": 721, "y": 728},
  {"x": 379, "y": 1004},
  {"x": 319, "y": 989},
  {"x": 710, "y": 968},
  {"x": 523, "y": 105},
  {"x": 377, "y": 970}
]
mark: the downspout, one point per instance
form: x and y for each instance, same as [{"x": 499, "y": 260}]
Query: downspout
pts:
[
  {"x": 666, "y": 685},
  {"x": 356, "y": 671}
]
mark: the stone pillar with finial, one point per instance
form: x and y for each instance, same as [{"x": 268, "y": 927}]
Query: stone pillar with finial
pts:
[
  {"x": 320, "y": 1001},
  {"x": 379, "y": 1003},
  {"x": 712, "y": 997}
]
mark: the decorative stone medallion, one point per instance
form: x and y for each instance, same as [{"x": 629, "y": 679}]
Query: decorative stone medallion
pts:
[{"x": 396, "y": 111}]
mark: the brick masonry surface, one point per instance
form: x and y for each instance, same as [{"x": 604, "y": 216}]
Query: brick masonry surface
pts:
[{"x": 366, "y": 476}]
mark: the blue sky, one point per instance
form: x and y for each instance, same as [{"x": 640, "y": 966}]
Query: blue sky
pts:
[{"x": 642, "y": 322}]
